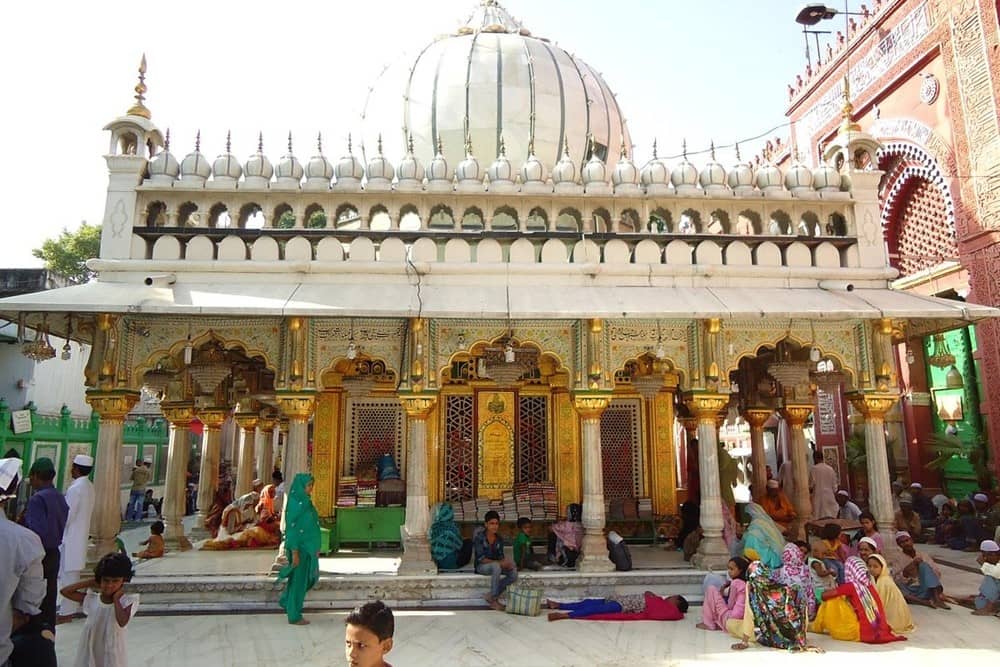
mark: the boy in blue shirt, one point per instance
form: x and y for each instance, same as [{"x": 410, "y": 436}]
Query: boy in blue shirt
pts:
[{"x": 490, "y": 559}]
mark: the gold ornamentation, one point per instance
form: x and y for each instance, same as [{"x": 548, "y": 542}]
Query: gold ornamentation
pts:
[
  {"x": 757, "y": 417},
  {"x": 496, "y": 404},
  {"x": 705, "y": 406},
  {"x": 417, "y": 405},
  {"x": 179, "y": 413},
  {"x": 591, "y": 404},
  {"x": 247, "y": 420},
  {"x": 567, "y": 434},
  {"x": 112, "y": 405},
  {"x": 325, "y": 461},
  {"x": 296, "y": 405},
  {"x": 873, "y": 405},
  {"x": 796, "y": 415},
  {"x": 267, "y": 424},
  {"x": 213, "y": 418},
  {"x": 495, "y": 446},
  {"x": 139, "y": 109}
]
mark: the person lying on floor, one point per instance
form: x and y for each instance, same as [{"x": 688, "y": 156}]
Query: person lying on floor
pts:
[{"x": 639, "y": 607}]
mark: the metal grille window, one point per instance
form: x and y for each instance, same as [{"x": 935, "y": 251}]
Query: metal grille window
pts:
[
  {"x": 620, "y": 449},
  {"x": 376, "y": 428},
  {"x": 532, "y": 439},
  {"x": 459, "y": 450}
]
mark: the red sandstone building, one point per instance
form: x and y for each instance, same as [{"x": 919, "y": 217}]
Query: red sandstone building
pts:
[{"x": 924, "y": 77}]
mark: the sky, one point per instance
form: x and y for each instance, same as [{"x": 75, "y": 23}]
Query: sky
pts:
[{"x": 701, "y": 71}]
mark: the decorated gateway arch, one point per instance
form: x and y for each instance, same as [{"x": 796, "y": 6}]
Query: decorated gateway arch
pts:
[{"x": 505, "y": 294}]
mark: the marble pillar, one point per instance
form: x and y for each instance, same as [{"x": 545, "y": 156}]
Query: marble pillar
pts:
[
  {"x": 796, "y": 416},
  {"x": 208, "y": 473},
  {"x": 179, "y": 414},
  {"x": 416, "y": 547},
  {"x": 874, "y": 406},
  {"x": 297, "y": 407},
  {"x": 756, "y": 418},
  {"x": 106, "y": 520},
  {"x": 706, "y": 408},
  {"x": 591, "y": 405},
  {"x": 247, "y": 423},
  {"x": 265, "y": 448}
]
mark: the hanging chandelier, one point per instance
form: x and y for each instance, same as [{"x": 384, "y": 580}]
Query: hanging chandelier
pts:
[
  {"x": 210, "y": 368},
  {"x": 941, "y": 357},
  {"x": 648, "y": 386},
  {"x": 39, "y": 349},
  {"x": 157, "y": 380},
  {"x": 506, "y": 363},
  {"x": 793, "y": 376}
]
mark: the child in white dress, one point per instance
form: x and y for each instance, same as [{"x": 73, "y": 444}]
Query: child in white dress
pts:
[{"x": 108, "y": 609}]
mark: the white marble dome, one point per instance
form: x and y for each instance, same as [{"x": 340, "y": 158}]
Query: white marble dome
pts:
[
  {"x": 410, "y": 168},
  {"x": 258, "y": 166},
  {"x": 492, "y": 78},
  {"x": 349, "y": 167},
  {"x": 565, "y": 169},
  {"x": 826, "y": 178},
  {"x": 289, "y": 168},
  {"x": 713, "y": 174},
  {"x": 468, "y": 170},
  {"x": 655, "y": 173},
  {"x": 164, "y": 166},
  {"x": 501, "y": 169},
  {"x": 319, "y": 168},
  {"x": 625, "y": 171},
  {"x": 227, "y": 166},
  {"x": 194, "y": 166},
  {"x": 438, "y": 169},
  {"x": 798, "y": 177},
  {"x": 379, "y": 168},
  {"x": 595, "y": 171},
  {"x": 741, "y": 176},
  {"x": 533, "y": 171},
  {"x": 684, "y": 174},
  {"x": 769, "y": 177}
]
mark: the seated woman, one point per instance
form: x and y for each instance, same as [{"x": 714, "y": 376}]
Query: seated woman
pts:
[
  {"x": 795, "y": 574},
  {"x": 869, "y": 529},
  {"x": 897, "y": 613},
  {"x": 213, "y": 517},
  {"x": 762, "y": 539},
  {"x": 566, "y": 537},
  {"x": 775, "y": 615},
  {"x": 645, "y": 607},
  {"x": 853, "y": 611},
  {"x": 728, "y": 601},
  {"x": 448, "y": 549},
  {"x": 945, "y": 524},
  {"x": 832, "y": 551},
  {"x": 247, "y": 524}
]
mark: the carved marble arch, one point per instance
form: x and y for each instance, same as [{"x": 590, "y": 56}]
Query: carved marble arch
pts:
[
  {"x": 156, "y": 214},
  {"x": 836, "y": 225},
  {"x": 505, "y": 217},
  {"x": 809, "y": 225},
  {"x": 660, "y": 217},
  {"x": 472, "y": 218},
  {"x": 409, "y": 218},
  {"x": 601, "y": 220},
  {"x": 374, "y": 372},
  {"x": 718, "y": 222},
  {"x": 629, "y": 222},
  {"x": 218, "y": 216},
  {"x": 251, "y": 216},
  {"x": 780, "y": 223},
  {"x": 797, "y": 346},
  {"x": 187, "y": 214},
  {"x": 748, "y": 223},
  {"x": 550, "y": 363},
  {"x": 442, "y": 217},
  {"x": 315, "y": 217},
  {"x": 284, "y": 216},
  {"x": 648, "y": 364},
  {"x": 569, "y": 220},
  {"x": 537, "y": 220},
  {"x": 346, "y": 216},
  {"x": 379, "y": 218},
  {"x": 690, "y": 222}
]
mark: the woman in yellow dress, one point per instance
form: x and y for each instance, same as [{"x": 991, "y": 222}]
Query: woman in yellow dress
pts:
[{"x": 897, "y": 612}]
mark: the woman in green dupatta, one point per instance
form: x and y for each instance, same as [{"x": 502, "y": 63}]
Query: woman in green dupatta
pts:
[{"x": 302, "y": 542}]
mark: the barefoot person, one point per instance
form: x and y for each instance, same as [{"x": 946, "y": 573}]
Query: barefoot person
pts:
[
  {"x": 729, "y": 601},
  {"x": 645, "y": 607},
  {"x": 108, "y": 608},
  {"x": 490, "y": 559},
  {"x": 988, "y": 600},
  {"x": 302, "y": 543},
  {"x": 917, "y": 575}
]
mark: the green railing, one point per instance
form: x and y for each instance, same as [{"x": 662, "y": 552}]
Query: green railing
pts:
[{"x": 61, "y": 437}]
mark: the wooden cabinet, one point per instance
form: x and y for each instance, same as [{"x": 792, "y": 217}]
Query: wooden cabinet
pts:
[{"x": 367, "y": 525}]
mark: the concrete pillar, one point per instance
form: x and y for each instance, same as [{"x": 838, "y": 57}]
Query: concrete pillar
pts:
[
  {"x": 265, "y": 448},
  {"x": 416, "y": 548},
  {"x": 179, "y": 414},
  {"x": 756, "y": 418},
  {"x": 874, "y": 405},
  {"x": 208, "y": 472},
  {"x": 298, "y": 407},
  {"x": 106, "y": 521},
  {"x": 591, "y": 405},
  {"x": 706, "y": 408},
  {"x": 247, "y": 422},
  {"x": 796, "y": 416}
]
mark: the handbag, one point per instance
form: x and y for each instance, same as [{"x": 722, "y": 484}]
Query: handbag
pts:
[{"x": 524, "y": 600}]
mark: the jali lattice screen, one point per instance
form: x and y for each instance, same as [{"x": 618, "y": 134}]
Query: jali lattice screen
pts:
[
  {"x": 620, "y": 449},
  {"x": 376, "y": 427},
  {"x": 459, "y": 449},
  {"x": 532, "y": 439}
]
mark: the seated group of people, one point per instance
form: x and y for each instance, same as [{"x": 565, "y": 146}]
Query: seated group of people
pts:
[{"x": 251, "y": 521}]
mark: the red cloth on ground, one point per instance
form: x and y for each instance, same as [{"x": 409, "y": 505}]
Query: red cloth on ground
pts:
[{"x": 657, "y": 609}]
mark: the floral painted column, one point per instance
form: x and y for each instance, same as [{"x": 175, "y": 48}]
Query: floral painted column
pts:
[
  {"x": 180, "y": 414},
  {"x": 416, "y": 547},
  {"x": 706, "y": 408},
  {"x": 591, "y": 405},
  {"x": 106, "y": 521}
]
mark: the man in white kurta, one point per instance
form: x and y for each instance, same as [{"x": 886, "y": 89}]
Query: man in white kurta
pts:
[
  {"x": 823, "y": 483},
  {"x": 80, "y": 498}
]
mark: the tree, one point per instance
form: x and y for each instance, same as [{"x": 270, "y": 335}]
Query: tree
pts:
[{"x": 67, "y": 255}]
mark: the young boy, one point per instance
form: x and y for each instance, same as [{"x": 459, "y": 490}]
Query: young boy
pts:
[
  {"x": 368, "y": 636},
  {"x": 491, "y": 561},
  {"x": 831, "y": 550},
  {"x": 154, "y": 545},
  {"x": 524, "y": 555}
]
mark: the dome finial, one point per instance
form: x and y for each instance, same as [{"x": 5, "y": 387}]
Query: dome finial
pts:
[
  {"x": 289, "y": 142},
  {"x": 197, "y": 141},
  {"x": 349, "y": 144},
  {"x": 319, "y": 142},
  {"x": 847, "y": 110},
  {"x": 684, "y": 148},
  {"x": 531, "y": 144},
  {"x": 565, "y": 146},
  {"x": 409, "y": 143},
  {"x": 468, "y": 144},
  {"x": 139, "y": 109},
  {"x": 166, "y": 141},
  {"x": 655, "y": 156},
  {"x": 260, "y": 142},
  {"x": 711, "y": 149},
  {"x": 622, "y": 153},
  {"x": 737, "y": 151},
  {"x": 503, "y": 147},
  {"x": 440, "y": 146},
  {"x": 590, "y": 143},
  {"x": 229, "y": 136},
  {"x": 379, "y": 143}
]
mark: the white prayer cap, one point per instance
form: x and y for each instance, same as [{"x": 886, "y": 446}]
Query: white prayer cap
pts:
[
  {"x": 842, "y": 492},
  {"x": 773, "y": 484},
  {"x": 614, "y": 537},
  {"x": 916, "y": 485},
  {"x": 989, "y": 545},
  {"x": 84, "y": 460},
  {"x": 870, "y": 542},
  {"x": 148, "y": 459},
  {"x": 981, "y": 497},
  {"x": 10, "y": 469},
  {"x": 902, "y": 534}
]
